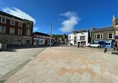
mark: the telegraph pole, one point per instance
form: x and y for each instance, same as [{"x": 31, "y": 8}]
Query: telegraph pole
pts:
[{"x": 50, "y": 33}]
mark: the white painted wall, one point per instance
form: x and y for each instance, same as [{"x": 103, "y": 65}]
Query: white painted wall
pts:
[
  {"x": 78, "y": 37},
  {"x": 41, "y": 41}
]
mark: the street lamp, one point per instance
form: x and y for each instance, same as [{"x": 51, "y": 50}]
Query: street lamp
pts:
[{"x": 50, "y": 33}]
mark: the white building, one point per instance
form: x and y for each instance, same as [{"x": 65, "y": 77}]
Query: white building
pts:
[
  {"x": 81, "y": 37},
  {"x": 40, "y": 38}
]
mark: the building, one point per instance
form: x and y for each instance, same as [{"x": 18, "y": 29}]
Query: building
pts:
[
  {"x": 60, "y": 38},
  {"x": 103, "y": 36},
  {"x": 14, "y": 30},
  {"x": 79, "y": 37},
  {"x": 42, "y": 39},
  {"x": 115, "y": 24},
  {"x": 106, "y": 36}
]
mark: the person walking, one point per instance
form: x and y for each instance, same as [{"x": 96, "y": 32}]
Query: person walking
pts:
[{"x": 105, "y": 49}]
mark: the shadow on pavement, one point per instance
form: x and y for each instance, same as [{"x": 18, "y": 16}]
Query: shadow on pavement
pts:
[{"x": 14, "y": 48}]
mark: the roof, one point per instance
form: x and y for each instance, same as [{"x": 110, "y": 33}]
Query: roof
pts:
[
  {"x": 79, "y": 31},
  {"x": 103, "y": 29},
  {"x": 12, "y": 16},
  {"x": 39, "y": 33},
  {"x": 9, "y": 15}
]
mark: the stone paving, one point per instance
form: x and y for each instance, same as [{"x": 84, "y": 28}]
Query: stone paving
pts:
[
  {"x": 11, "y": 61},
  {"x": 69, "y": 65}
]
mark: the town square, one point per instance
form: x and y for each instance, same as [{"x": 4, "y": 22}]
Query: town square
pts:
[{"x": 58, "y": 41}]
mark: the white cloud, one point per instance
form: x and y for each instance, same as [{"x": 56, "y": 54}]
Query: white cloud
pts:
[
  {"x": 17, "y": 12},
  {"x": 69, "y": 24}
]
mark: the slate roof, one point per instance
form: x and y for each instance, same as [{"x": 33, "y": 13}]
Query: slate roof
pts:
[
  {"x": 42, "y": 34},
  {"x": 79, "y": 31},
  {"x": 12, "y": 16},
  {"x": 103, "y": 29}
]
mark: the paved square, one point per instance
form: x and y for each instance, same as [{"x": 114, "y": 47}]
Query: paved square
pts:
[
  {"x": 11, "y": 61},
  {"x": 69, "y": 65}
]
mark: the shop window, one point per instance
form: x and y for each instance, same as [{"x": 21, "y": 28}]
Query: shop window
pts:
[{"x": 107, "y": 43}]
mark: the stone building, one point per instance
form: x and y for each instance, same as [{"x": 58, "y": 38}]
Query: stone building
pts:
[
  {"x": 105, "y": 36},
  {"x": 115, "y": 24},
  {"x": 14, "y": 30}
]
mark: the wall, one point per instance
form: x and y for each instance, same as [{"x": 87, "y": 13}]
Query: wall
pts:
[{"x": 86, "y": 34}]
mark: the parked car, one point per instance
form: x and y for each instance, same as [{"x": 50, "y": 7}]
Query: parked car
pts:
[{"x": 93, "y": 45}]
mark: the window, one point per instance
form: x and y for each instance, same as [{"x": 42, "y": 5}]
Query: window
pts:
[
  {"x": 28, "y": 32},
  {"x": 20, "y": 24},
  {"x": 19, "y": 31},
  {"x": 82, "y": 37},
  {"x": 12, "y": 30},
  {"x": 98, "y": 36},
  {"x": 110, "y": 36},
  {"x": 95, "y": 36},
  {"x": 69, "y": 37},
  {"x": 2, "y": 29},
  {"x": 107, "y": 43},
  {"x": 75, "y": 39},
  {"x": 3, "y": 20},
  {"x": 101, "y": 36},
  {"x": 12, "y": 22},
  {"x": 28, "y": 26}
]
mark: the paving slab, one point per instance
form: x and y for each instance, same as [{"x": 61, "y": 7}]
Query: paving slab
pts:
[
  {"x": 69, "y": 65},
  {"x": 12, "y": 61}
]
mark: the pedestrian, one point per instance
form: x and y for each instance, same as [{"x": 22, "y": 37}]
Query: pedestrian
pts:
[
  {"x": 100, "y": 46},
  {"x": 105, "y": 49},
  {"x": 78, "y": 44},
  {"x": 82, "y": 45}
]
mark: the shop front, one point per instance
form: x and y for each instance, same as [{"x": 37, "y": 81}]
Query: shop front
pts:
[{"x": 105, "y": 43}]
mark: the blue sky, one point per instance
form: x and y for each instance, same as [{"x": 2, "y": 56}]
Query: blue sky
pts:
[{"x": 65, "y": 15}]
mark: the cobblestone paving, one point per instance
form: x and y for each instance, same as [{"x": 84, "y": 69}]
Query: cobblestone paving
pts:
[
  {"x": 11, "y": 61},
  {"x": 69, "y": 65}
]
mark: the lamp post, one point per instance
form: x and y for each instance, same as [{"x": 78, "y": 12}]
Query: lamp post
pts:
[{"x": 50, "y": 33}]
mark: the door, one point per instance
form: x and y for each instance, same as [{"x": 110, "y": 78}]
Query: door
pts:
[{"x": 27, "y": 42}]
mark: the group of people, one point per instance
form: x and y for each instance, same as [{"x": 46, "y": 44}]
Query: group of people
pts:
[{"x": 81, "y": 45}]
